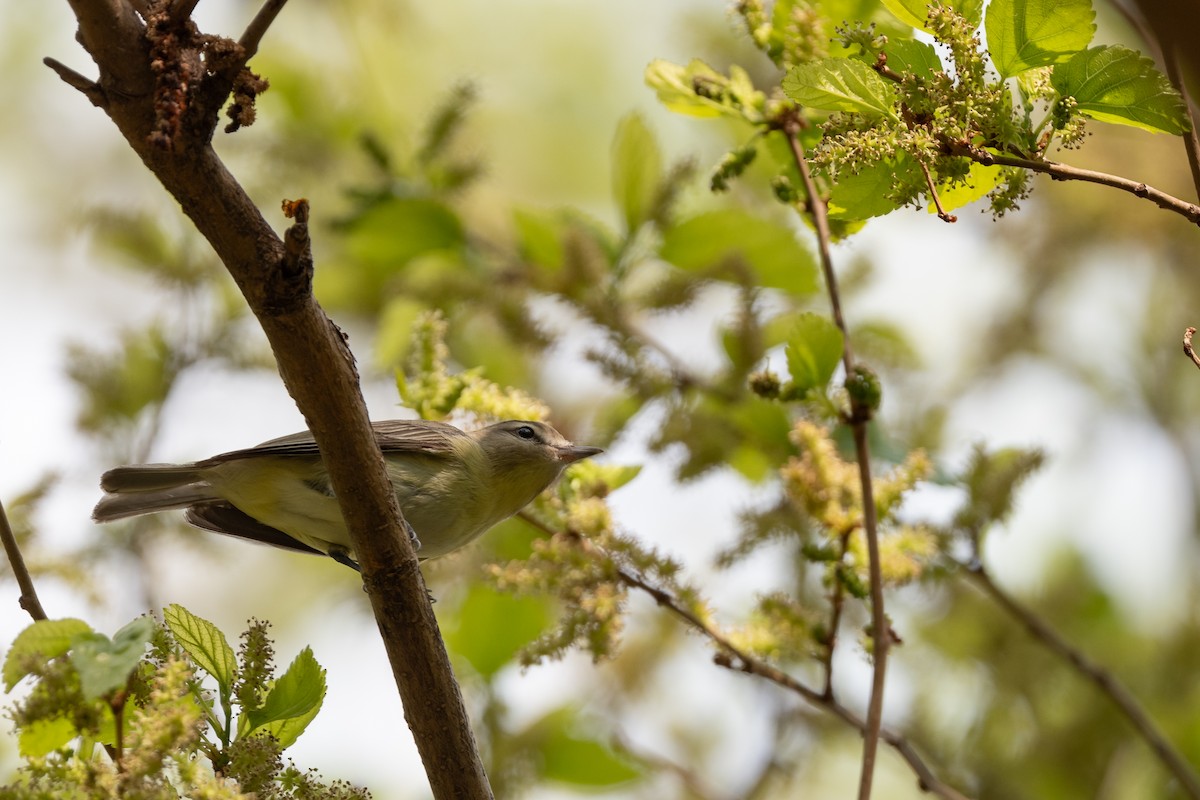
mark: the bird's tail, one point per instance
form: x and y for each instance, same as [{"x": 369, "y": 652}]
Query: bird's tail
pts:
[{"x": 146, "y": 488}]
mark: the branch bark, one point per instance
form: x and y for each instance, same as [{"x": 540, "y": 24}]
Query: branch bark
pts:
[
  {"x": 1108, "y": 685},
  {"x": 29, "y": 597},
  {"x": 314, "y": 362},
  {"x": 858, "y": 421}
]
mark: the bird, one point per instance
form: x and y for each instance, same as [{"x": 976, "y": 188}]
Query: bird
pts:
[{"x": 452, "y": 485}]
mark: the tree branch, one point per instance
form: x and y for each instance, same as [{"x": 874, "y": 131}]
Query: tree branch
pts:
[
  {"x": 858, "y": 421},
  {"x": 1108, "y": 685},
  {"x": 29, "y": 598},
  {"x": 1188, "y": 350},
  {"x": 258, "y": 27},
  {"x": 317, "y": 369},
  {"x": 1062, "y": 172},
  {"x": 734, "y": 658}
]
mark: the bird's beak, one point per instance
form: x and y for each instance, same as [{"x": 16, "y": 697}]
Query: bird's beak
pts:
[{"x": 569, "y": 455}]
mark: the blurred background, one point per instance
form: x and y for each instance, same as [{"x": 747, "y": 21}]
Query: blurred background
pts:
[{"x": 1057, "y": 327}]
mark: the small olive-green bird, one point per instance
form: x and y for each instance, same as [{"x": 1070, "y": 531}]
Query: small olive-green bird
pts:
[{"x": 451, "y": 485}]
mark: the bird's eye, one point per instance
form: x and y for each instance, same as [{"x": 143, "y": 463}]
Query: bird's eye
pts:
[{"x": 526, "y": 432}]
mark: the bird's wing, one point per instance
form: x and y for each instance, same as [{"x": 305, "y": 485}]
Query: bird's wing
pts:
[
  {"x": 225, "y": 518},
  {"x": 393, "y": 436}
]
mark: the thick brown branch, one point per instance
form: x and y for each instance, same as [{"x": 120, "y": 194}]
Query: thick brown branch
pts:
[
  {"x": 319, "y": 372},
  {"x": 1108, "y": 685},
  {"x": 29, "y": 598}
]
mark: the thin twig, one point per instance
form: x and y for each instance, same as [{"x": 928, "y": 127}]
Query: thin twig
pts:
[
  {"x": 736, "y": 659},
  {"x": 258, "y": 26},
  {"x": 943, "y": 215},
  {"x": 1188, "y": 350},
  {"x": 91, "y": 90},
  {"x": 29, "y": 599},
  {"x": 1062, "y": 172},
  {"x": 1108, "y": 685},
  {"x": 880, "y": 633}
]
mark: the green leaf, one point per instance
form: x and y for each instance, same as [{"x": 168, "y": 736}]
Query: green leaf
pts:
[
  {"x": 1116, "y": 84},
  {"x": 720, "y": 238},
  {"x": 43, "y": 736},
  {"x": 41, "y": 641},
  {"x": 568, "y": 758},
  {"x": 399, "y": 229},
  {"x": 205, "y": 643},
  {"x": 813, "y": 352},
  {"x": 916, "y": 12},
  {"x": 840, "y": 84},
  {"x": 540, "y": 238},
  {"x": 868, "y": 193},
  {"x": 105, "y": 665},
  {"x": 637, "y": 170},
  {"x": 1023, "y": 34},
  {"x": 491, "y": 627},
  {"x": 698, "y": 90},
  {"x": 910, "y": 55},
  {"x": 295, "y": 698},
  {"x": 980, "y": 180}
]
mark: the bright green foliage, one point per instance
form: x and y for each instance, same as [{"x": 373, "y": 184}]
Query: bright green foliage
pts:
[
  {"x": 1116, "y": 84},
  {"x": 813, "y": 352},
  {"x": 840, "y": 84},
  {"x": 569, "y": 757},
  {"x": 104, "y": 665},
  {"x": 698, "y": 90},
  {"x": 1023, "y": 34},
  {"x": 150, "y": 710},
  {"x": 915, "y": 12},
  {"x": 735, "y": 243},
  {"x": 637, "y": 170}
]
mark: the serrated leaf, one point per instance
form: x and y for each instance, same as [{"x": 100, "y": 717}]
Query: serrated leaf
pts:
[
  {"x": 840, "y": 84},
  {"x": 1023, "y": 34},
  {"x": 867, "y": 193},
  {"x": 205, "y": 643},
  {"x": 708, "y": 241},
  {"x": 813, "y": 352},
  {"x": 43, "y": 736},
  {"x": 916, "y": 12},
  {"x": 104, "y": 664},
  {"x": 912, "y": 56},
  {"x": 296, "y": 696},
  {"x": 637, "y": 169},
  {"x": 44, "y": 639},
  {"x": 1116, "y": 84}
]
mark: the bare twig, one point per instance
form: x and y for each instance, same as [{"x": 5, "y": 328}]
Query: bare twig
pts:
[
  {"x": 89, "y": 87},
  {"x": 258, "y": 27},
  {"x": 1062, "y": 172},
  {"x": 1108, "y": 685},
  {"x": 943, "y": 215},
  {"x": 1188, "y": 350},
  {"x": 880, "y": 632},
  {"x": 734, "y": 658},
  {"x": 182, "y": 9},
  {"x": 29, "y": 599}
]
